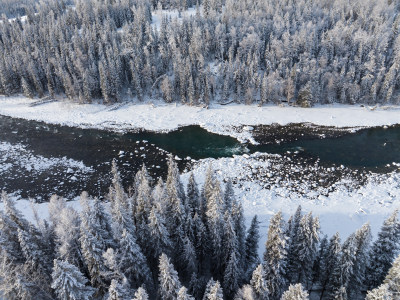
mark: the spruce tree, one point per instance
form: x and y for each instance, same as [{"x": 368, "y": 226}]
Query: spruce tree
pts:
[
  {"x": 383, "y": 251},
  {"x": 258, "y": 283},
  {"x": 169, "y": 284},
  {"x": 69, "y": 283},
  {"x": 141, "y": 294},
  {"x": 213, "y": 291},
  {"x": 252, "y": 238},
  {"x": 275, "y": 257},
  {"x": 295, "y": 292}
]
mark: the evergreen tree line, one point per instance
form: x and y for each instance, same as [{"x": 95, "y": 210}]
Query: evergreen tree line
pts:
[
  {"x": 303, "y": 52},
  {"x": 160, "y": 241}
]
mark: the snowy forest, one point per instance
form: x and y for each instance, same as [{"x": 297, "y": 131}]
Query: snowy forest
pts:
[
  {"x": 159, "y": 240},
  {"x": 302, "y": 52}
]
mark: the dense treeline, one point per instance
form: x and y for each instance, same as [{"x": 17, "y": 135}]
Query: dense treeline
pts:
[
  {"x": 304, "y": 52},
  {"x": 14, "y": 8},
  {"x": 160, "y": 241}
]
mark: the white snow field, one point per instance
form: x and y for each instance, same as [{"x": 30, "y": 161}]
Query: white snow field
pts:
[{"x": 158, "y": 116}]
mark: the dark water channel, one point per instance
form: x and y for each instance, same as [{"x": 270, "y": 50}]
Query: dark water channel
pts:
[{"x": 370, "y": 148}]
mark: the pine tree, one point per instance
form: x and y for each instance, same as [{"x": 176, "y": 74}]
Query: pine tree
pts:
[
  {"x": 362, "y": 239},
  {"x": 275, "y": 256},
  {"x": 229, "y": 195},
  {"x": 92, "y": 246},
  {"x": 67, "y": 232},
  {"x": 141, "y": 294},
  {"x": 26, "y": 88},
  {"x": 159, "y": 235},
  {"x": 131, "y": 260},
  {"x": 183, "y": 294},
  {"x": 306, "y": 248},
  {"x": 295, "y": 292},
  {"x": 246, "y": 293},
  {"x": 215, "y": 227},
  {"x": 328, "y": 263},
  {"x": 192, "y": 192},
  {"x": 231, "y": 276},
  {"x": 118, "y": 291},
  {"x": 258, "y": 283},
  {"x": 213, "y": 291},
  {"x": 383, "y": 251},
  {"x": 69, "y": 283},
  {"x": 252, "y": 238},
  {"x": 169, "y": 283},
  {"x": 380, "y": 293},
  {"x": 293, "y": 241},
  {"x": 393, "y": 277}
]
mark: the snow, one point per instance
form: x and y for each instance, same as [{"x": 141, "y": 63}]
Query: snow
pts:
[
  {"x": 159, "y": 116},
  {"x": 343, "y": 210},
  {"x": 26, "y": 159},
  {"x": 158, "y": 15}
]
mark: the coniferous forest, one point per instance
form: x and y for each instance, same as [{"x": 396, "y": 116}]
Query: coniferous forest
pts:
[
  {"x": 303, "y": 52},
  {"x": 159, "y": 240}
]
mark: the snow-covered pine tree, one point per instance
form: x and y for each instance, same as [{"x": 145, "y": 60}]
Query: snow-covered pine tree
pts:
[
  {"x": 322, "y": 253},
  {"x": 383, "y": 251},
  {"x": 246, "y": 293},
  {"x": 231, "y": 276},
  {"x": 393, "y": 277},
  {"x": 141, "y": 294},
  {"x": 252, "y": 238},
  {"x": 380, "y": 293},
  {"x": 67, "y": 232},
  {"x": 275, "y": 257},
  {"x": 295, "y": 292},
  {"x": 213, "y": 291},
  {"x": 293, "y": 239},
  {"x": 258, "y": 283},
  {"x": 132, "y": 262},
  {"x": 229, "y": 195},
  {"x": 10, "y": 220},
  {"x": 69, "y": 283},
  {"x": 169, "y": 284},
  {"x": 116, "y": 192},
  {"x": 328, "y": 263},
  {"x": 343, "y": 271},
  {"x": 142, "y": 208},
  {"x": 240, "y": 229},
  {"x": 37, "y": 262},
  {"x": 93, "y": 246},
  {"x": 118, "y": 291},
  {"x": 175, "y": 210},
  {"x": 306, "y": 248},
  {"x": 362, "y": 239},
  {"x": 183, "y": 294},
  {"x": 215, "y": 228},
  {"x": 159, "y": 235},
  {"x": 193, "y": 197}
]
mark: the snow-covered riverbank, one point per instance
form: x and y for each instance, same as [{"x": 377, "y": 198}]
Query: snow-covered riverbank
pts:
[
  {"x": 220, "y": 119},
  {"x": 261, "y": 191}
]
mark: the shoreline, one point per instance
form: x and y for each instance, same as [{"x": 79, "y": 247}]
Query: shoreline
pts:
[{"x": 235, "y": 120}]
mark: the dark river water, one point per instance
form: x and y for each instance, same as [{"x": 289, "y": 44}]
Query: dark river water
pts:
[{"x": 370, "y": 148}]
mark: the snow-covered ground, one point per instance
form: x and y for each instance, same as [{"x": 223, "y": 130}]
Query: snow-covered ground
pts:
[
  {"x": 343, "y": 210},
  {"x": 25, "y": 159},
  {"x": 158, "y": 15},
  {"x": 158, "y": 116}
]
